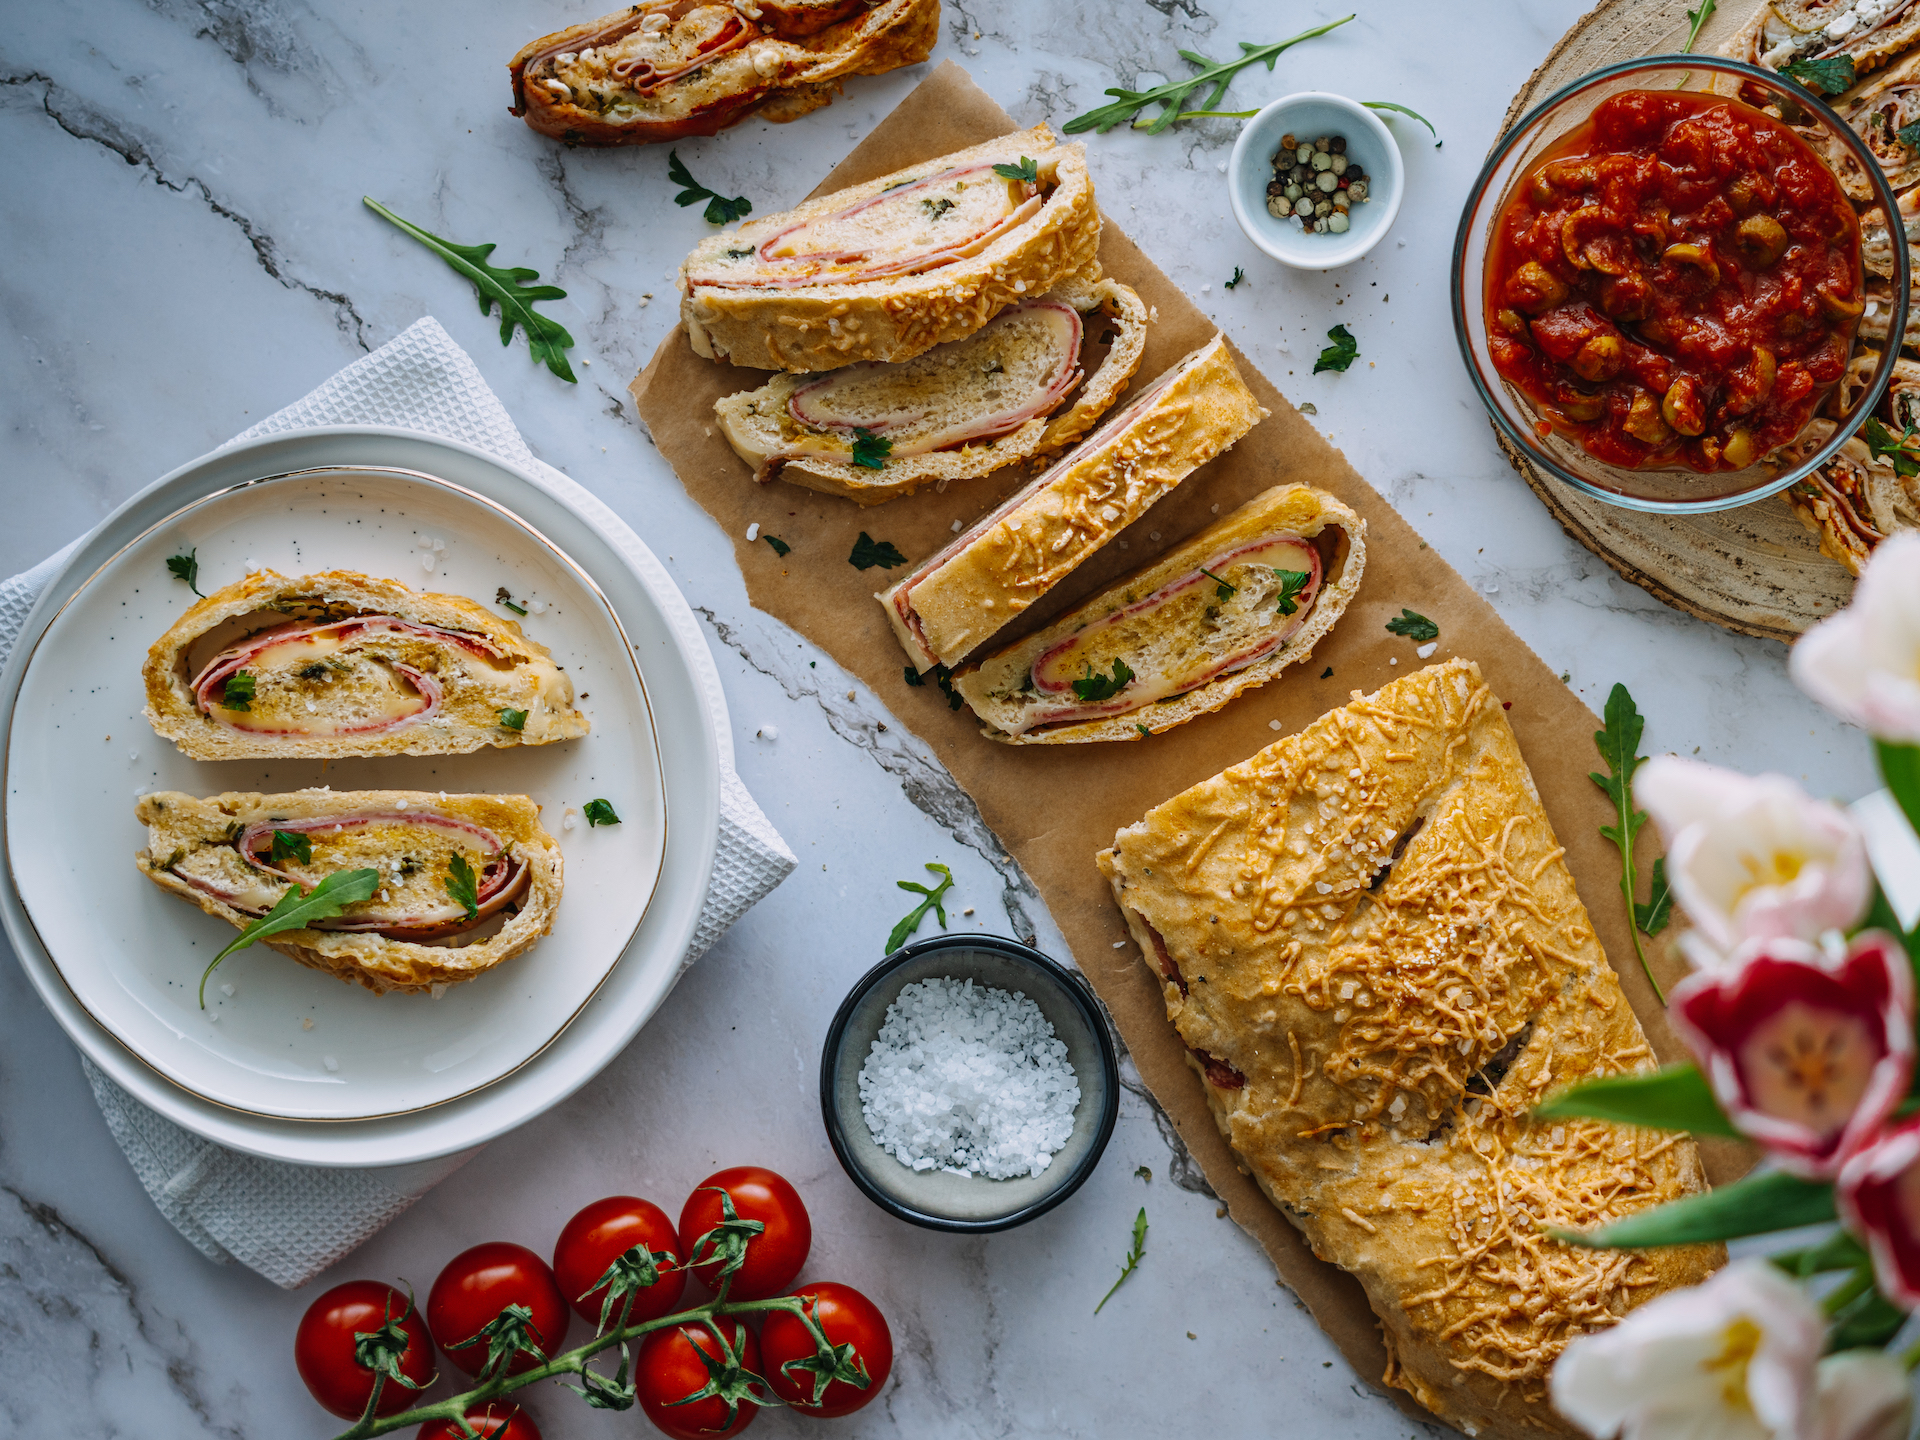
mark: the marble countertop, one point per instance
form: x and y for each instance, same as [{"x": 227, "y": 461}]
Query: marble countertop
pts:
[{"x": 186, "y": 251}]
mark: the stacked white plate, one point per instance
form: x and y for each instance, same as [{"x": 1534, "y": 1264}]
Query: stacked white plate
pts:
[{"x": 287, "y": 1062}]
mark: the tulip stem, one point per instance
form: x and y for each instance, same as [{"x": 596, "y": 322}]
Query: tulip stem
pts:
[
  {"x": 1848, "y": 1291},
  {"x": 1900, "y": 768},
  {"x": 1910, "y": 1357}
]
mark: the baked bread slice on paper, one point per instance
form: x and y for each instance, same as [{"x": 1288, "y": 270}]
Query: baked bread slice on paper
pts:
[
  {"x": 337, "y": 664},
  {"x": 1370, "y": 945},
  {"x": 236, "y": 855}
]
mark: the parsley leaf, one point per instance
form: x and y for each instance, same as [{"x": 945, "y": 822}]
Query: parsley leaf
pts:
[
  {"x": 292, "y": 845},
  {"x": 933, "y": 902},
  {"x": 720, "y": 210},
  {"x": 942, "y": 677},
  {"x": 1135, "y": 1255},
  {"x": 1339, "y": 355},
  {"x": 936, "y": 208},
  {"x": 1238, "y": 276},
  {"x": 513, "y": 720},
  {"x": 1142, "y": 729},
  {"x": 296, "y": 908},
  {"x": 1222, "y": 590},
  {"x": 238, "y": 692},
  {"x": 1698, "y": 18},
  {"x": 1619, "y": 746},
  {"x": 503, "y": 596},
  {"x": 870, "y": 451},
  {"x": 463, "y": 885},
  {"x": 547, "y": 338},
  {"x": 1292, "y": 583},
  {"x": 1026, "y": 170},
  {"x": 1652, "y": 917},
  {"x": 1172, "y": 96},
  {"x": 1824, "y": 77},
  {"x": 1437, "y": 141},
  {"x": 599, "y": 812},
  {"x": 1414, "y": 625},
  {"x": 780, "y": 547},
  {"x": 186, "y": 567},
  {"x": 1092, "y": 688},
  {"x": 868, "y": 552},
  {"x": 1901, "y": 452},
  {"x": 1909, "y": 135}
]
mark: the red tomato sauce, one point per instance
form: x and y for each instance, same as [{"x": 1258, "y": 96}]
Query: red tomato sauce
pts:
[{"x": 1675, "y": 283}]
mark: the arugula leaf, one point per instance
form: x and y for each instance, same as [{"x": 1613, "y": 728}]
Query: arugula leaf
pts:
[
  {"x": 1238, "y": 276},
  {"x": 1292, "y": 582},
  {"x": 463, "y": 885},
  {"x": 513, "y": 720},
  {"x": 1339, "y": 355},
  {"x": 1403, "y": 110},
  {"x": 503, "y": 596},
  {"x": 780, "y": 547},
  {"x": 1222, "y": 590},
  {"x": 933, "y": 902},
  {"x": 1026, "y": 170},
  {"x": 1135, "y": 1255},
  {"x": 599, "y": 812},
  {"x": 870, "y": 451},
  {"x": 186, "y": 567},
  {"x": 1901, "y": 452},
  {"x": 720, "y": 210},
  {"x": 1092, "y": 689},
  {"x": 547, "y": 338},
  {"x": 1824, "y": 77},
  {"x": 292, "y": 845},
  {"x": 237, "y": 694},
  {"x": 868, "y": 552},
  {"x": 1619, "y": 745},
  {"x": 1653, "y": 916},
  {"x": 295, "y": 909},
  {"x": 1698, "y": 18},
  {"x": 1173, "y": 95},
  {"x": 1414, "y": 625}
]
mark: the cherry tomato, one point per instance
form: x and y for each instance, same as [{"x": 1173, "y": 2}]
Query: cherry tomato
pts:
[
  {"x": 775, "y": 1255},
  {"x": 667, "y": 1370},
  {"x": 598, "y": 1236},
  {"x": 477, "y": 1285},
  {"x": 495, "y": 1420},
  {"x": 323, "y": 1347},
  {"x": 847, "y": 1317}
]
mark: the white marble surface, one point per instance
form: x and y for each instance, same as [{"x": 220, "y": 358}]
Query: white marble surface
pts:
[{"x": 185, "y": 251}]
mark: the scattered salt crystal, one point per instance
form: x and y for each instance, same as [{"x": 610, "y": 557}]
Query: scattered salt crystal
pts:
[
  {"x": 753, "y": 532},
  {"x": 968, "y": 1079},
  {"x": 767, "y": 732},
  {"x": 569, "y": 822},
  {"x": 428, "y": 560},
  {"x": 1153, "y": 534},
  {"x": 439, "y": 545},
  {"x": 329, "y": 1062},
  {"x": 1393, "y": 660},
  {"x": 1427, "y": 649},
  {"x": 251, "y": 564},
  {"x": 423, "y": 543},
  {"x": 437, "y": 989},
  {"x": 1119, "y": 944},
  {"x": 1273, "y": 724},
  {"x": 956, "y": 527},
  {"x": 226, "y": 990},
  {"x": 399, "y": 804}
]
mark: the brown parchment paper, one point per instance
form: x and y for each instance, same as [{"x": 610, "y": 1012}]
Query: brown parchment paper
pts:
[{"x": 1054, "y": 806}]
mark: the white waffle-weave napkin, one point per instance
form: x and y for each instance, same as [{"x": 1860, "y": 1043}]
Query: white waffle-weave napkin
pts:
[{"x": 290, "y": 1222}]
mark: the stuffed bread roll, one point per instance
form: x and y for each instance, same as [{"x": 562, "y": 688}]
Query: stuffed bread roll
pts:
[
  {"x": 889, "y": 269},
  {"x": 342, "y": 664},
  {"x": 666, "y": 69},
  {"x": 1869, "y": 32},
  {"x": 1223, "y": 612},
  {"x": 962, "y": 409},
  {"x": 1010, "y": 557},
  {"x": 236, "y": 855}
]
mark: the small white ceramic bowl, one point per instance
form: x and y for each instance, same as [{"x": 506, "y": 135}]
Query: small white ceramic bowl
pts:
[{"x": 1309, "y": 115}]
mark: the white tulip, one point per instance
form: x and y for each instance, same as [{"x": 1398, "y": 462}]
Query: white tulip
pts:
[
  {"x": 1861, "y": 1395},
  {"x": 1730, "y": 1359},
  {"x": 1753, "y": 857},
  {"x": 1864, "y": 663}
]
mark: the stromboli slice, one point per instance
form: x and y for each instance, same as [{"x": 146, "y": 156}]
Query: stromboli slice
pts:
[
  {"x": 963, "y": 409},
  {"x": 960, "y": 597},
  {"x": 1198, "y": 626},
  {"x": 219, "y": 853},
  {"x": 1369, "y": 943},
  {"x": 340, "y": 664},
  {"x": 888, "y": 269}
]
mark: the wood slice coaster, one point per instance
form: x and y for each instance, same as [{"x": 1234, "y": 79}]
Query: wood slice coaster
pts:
[{"x": 1755, "y": 570}]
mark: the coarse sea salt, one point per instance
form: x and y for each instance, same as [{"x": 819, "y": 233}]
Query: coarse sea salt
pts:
[{"x": 968, "y": 1079}]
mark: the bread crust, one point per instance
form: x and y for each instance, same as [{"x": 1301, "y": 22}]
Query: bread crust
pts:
[
  {"x": 798, "y": 61},
  {"x": 823, "y": 327},
  {"x": 527, "y": 679},
  {"x": 1373, "y": 1050},
  {"x": 177, "y": 822},
  {"x": 1106, "y": 301},
  {"x": 1297, "y": 509},
  {"x": 961, "y": 597}
]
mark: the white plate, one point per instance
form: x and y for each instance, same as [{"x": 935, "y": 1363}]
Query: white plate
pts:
[
  {"x": 277, "y": 1038},
  {"x": 59, "y": 760}
]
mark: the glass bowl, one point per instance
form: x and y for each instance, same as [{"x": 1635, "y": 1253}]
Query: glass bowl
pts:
[{"x": 1677, "y": 491}]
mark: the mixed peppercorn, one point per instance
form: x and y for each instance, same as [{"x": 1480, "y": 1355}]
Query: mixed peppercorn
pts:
[{"x": 1315, "y": 183}]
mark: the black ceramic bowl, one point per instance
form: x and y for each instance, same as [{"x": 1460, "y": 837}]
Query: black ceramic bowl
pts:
[{"x": 969, "y": 1204}]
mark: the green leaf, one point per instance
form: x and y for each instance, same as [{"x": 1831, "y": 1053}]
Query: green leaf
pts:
[
  {"x": 292, "y": 845},
  {"x": 237, "y": 693},
  {"x": 1698, "y": 18},
  {"x": 1145, "y": 733},
  {"x": 1339, "y": 355},
  {"x": 934, "y": 902},
  {"x": 1238, "y": 276},
  {"x": 1868, "y": 1322},
  {"x": 870, "y": 451},
  {"x": 1839, "y": 1251},
  {"x": 463, "y": 885},
  {"x": 1900, "y": 768},
  {"x": 780, "y": 547},
  {"x": 599, "y": 812},
  {"x": 1413, "y": 625},
  {"x": 1135, "y": 1254},
  {"x": 1899, "y": 452},
  {"x": 1619, "y": 745},
  {"x": 720, "y": 210},
  {"x": 1403, "y": 110},
  {"x": 1222, "y": 590},
  {"x": 504, "y": 596},
  {"x": 1909, "y": 135},
  {"x": 1754, "y": 1205},
  {"x": 1653, "y": 916},
  {"x": 1093, "y": 688},
  {"x": 1026, "y": 170},
  {"x": 1824, "y": 77},
  {"x": 912, "y": 677},
  {"x": 296, "y": 909},
  {"x": 868, "y": 552},
  {"x": 515, "y": 720},
  {"x": 547, "y": 339},
  {"x": 1675, "y": 1098},
  {"x": 1292, "y": 582},
  {"x": 186, "y": 567}
]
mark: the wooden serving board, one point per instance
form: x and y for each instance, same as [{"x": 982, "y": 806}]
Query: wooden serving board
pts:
[{"x": 1755, "y": 570}]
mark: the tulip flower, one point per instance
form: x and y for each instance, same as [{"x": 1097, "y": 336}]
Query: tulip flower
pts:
[
  {"x": 1878, "y": 1195},
  {"x": 1806, "y": 1057},
  {"x": 1864, "y": 663},
  {"x": 1732, "y": 1358},
  {"x": 1753, "y": 857},
  {"x": 1861, "y": 1395}
]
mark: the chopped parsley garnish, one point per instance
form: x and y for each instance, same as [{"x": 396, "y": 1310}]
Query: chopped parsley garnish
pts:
[
  {"x": 936, "y": 208},
  {"x": 463, "y": 885},
  {"x": 1225, "y": 590},
  {"x": 1414, "y": 625},
  {"x": 186, "y": 567},
  {"x": 1141, "y": 728},
  {"x": 1327, "y": 674},
  {"x": 868, "y": 552},
  {"x": 1238, "y": 276},
  {"x": 599, "y": 812},
  {"x": 1092, "y": 688},
  {"x": 870, "y": 451},
  {"x": 1824, "y": 77},
  {"x": 292, "y": 845},
  {"x": 720, "y": 210},
  {"x": 238, "y": 694},
  {"x": 1909, "y": 135},
  {"x": 943, "y": 677},
  {"x": 780, "y": 547},
  {"x": 513, "y": 719},
  {"x": 1339, "y": 355},
  {"x": 503, "y": 596},
  {"x": 1026, "y": 170},
  {"x": 1292, "y": 583}
]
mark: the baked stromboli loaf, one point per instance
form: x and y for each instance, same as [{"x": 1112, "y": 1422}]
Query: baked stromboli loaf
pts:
[
  {"x": 962, "y": 409},
  {"x": 1221, "y": 613},
  {"x": 342, "y": 664},
  {"x": 1869, "y": 32},
  {"x": 667, "y": 69},
  {"x": 1371, "y": 946},
  {"x": 889, "y": 269},
  {"x": 413, "y": 933},
  {"x": 1009, "y": 558}
]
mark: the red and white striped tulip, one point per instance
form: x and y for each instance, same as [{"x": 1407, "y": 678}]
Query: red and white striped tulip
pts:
[
  {"x": 1878, "y": 1195},
  {"x": 1864, "y": 663}
]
